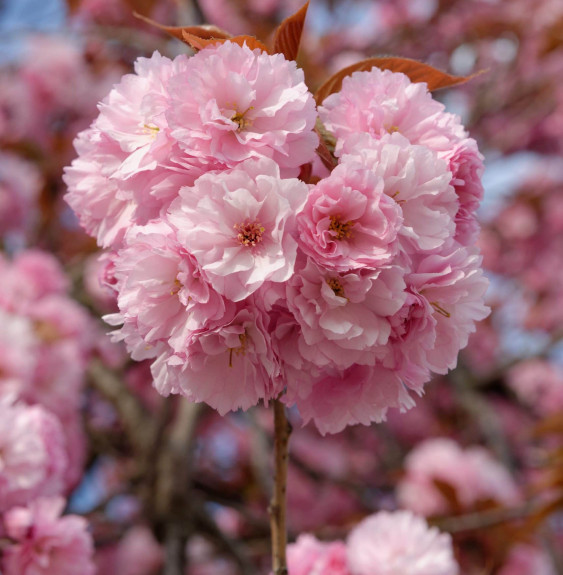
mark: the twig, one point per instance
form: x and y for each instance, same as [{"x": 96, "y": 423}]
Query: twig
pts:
[
  {"x": 130, "y": 410},
  {"x": 277, "y": 509},
  {"x": 485, "y": 519}
]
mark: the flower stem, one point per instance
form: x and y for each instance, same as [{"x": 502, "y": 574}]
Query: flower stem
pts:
[{"x": 277, "y": 509}]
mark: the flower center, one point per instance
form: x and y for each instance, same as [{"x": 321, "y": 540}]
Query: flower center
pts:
[
  {"x": 239, "y": 118},
  {"x": 335, "y": 285},
  {"x": 240, "y": 350},
  {"x": 249, "y": 234},
  {"x": 176, "y": 287},
  {"x": 341, "y": 229},
  {"x": 151, "y": 130}
]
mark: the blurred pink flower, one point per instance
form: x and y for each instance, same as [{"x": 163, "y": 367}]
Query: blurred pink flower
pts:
[
  {"x": 539, "y": 384},
  {"x": 138, "y": 553},
  {"x": 472, "y": 473},
  {"x": 33, "y": 458},
  {"x": 46, "y": 543},
  {"x": 309, "y": 556},
  {"x": 20, "y": 185},
  {"x": 399, "y": 543}
]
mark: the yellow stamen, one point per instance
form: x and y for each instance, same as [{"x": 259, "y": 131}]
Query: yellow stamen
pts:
[
  {"x": 340, "y": 228},
  {"x": 335, "y": 285},
  {"x": 440, "y": 309}
]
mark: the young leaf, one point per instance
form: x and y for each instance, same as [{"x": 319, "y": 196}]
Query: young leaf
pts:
[
  {"x": 416, "y": 71},
  {"x": 205, "y": 32},
  {"x": 288, "y": 34},
  {"x": 198, "y": 43}
]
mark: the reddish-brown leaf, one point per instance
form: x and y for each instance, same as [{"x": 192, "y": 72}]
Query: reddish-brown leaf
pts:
[
  {"x": 288, "y": 34},
  {"x": 198, "y": 43},
  {"x": 416, "y": 71},
  {"x": 206, "y": 32},
  {"x": 142, "y": 6}
]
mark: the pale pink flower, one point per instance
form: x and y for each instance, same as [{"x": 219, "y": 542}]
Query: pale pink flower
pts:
[
  {"x": 20, "y": 185},
  {"x": 103, "y": 210},
  {"x": 63, "y": 331},
  {"x": 138, "y": 553},
  {"x": 133, "y": 114},
  {"x": 472, "y": 473},
  {"x": 358, "y": 395},
  {"x": 18, "y": 347},
  {"x": 344, "y": 315},
  {"x": 378, "y": 102},
  {"x": 46, "y": 543},
  {"x": 233, "y": 103},
  {"x": 228, "y": 367},
  {"x": 240, "y": 226},
  {"x": 419, "y": 182},
  {"x": 348, "y": 222},
  {"x": 31, "y": 275},
  {"x": 466, "y": 165},
  {"x": 162, "y": 295},
  {"x": 309, "y": 556},
  {"x": 539, "y": 384},
  {"x": 445, "y": 300},
  {"x": 399, "y": 543},
  {"x": 33, "y": 459}
]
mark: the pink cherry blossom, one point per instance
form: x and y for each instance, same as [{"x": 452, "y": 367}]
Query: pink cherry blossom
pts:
[
  {"x": 31, "y": 275},
  {"x": 20, "y": 185},
  {"x": 348, "y": 222},
  {"x": 539, "y": 384},
  {"x": 399, "y": 543},
  {"x": 46, "y": 543},
  {"x": 358, "y": 395},
  {"x": 466, "y": 164},
  {"x": 138, "y": 553},
  {"x": 419, "y": 182},
  {"x": 163, "y": 295},
  {"x": 229, "y": 367},
  {"x": 240, "y": 226},
  {"x": 378, "y": 102},
  {"x": 103, "y": 211},
  {"x": 308, "y": 556},
  {"x": 473, "y": 474},
  {"x": 344, "y": 315},
  {"x": 133, "y": 113},
  {"x": 234, "y": 103},
  {"x": 453, "y": 284},
  {"x": 33, "y": 458}
]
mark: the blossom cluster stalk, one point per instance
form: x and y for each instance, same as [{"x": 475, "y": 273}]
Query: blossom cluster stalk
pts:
[{"x": 277, "y": 509}]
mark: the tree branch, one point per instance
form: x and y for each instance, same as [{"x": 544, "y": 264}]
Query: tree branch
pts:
[{"x": 277, "y": 509}]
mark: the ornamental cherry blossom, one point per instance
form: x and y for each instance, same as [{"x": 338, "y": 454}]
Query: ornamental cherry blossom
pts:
[
  {"x": 44, "y": 543},
  {"x": 239, "y": 280},
  {"x": 399, "y": 543},
  {"x": 33, "y": 458},
  {"x": 240, "y": 226},
  {"x": 234, "y": 103}
]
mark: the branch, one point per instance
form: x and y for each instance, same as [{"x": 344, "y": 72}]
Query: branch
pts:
[{"x": 277, "y": 507}]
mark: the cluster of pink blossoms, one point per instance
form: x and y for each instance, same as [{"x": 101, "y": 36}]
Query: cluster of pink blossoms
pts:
[
  {"x": 45, "y": 343},
  {"x": 382, "y": 544},
  {"x": 238, "y": 279}
]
